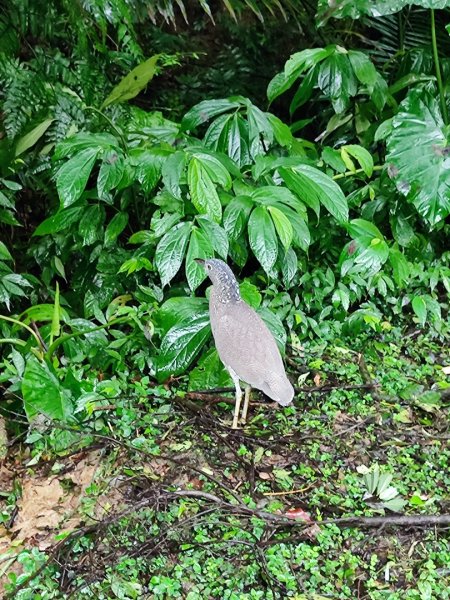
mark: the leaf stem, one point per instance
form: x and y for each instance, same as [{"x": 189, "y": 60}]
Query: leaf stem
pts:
[
  {"x": 437, "y": 67},
  {"x": 33, "y": 333},
  {"x": 69, "y": 336},
  {"x": 356, "y": 172}
]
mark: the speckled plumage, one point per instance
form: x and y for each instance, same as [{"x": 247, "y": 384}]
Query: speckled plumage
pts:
[{"x": 244, "y": 343}]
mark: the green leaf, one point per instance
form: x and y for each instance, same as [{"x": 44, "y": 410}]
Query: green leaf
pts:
[
  {"x": 215, "y": 169},
  {"x": 417, "y": 152},
  {"x": 314, "y": 186},
  {"x": 280, "y": 84},
  {"x": 63, "y": 219},
  {"x": 4, "y": 252},
  {"x": 216, "y": 235},
  {"x": 42, "y": 312},
  {"x": 250, "y": 293},
  {"x": 110, "y": 172},
  {"x": 172, "y": 171},
  {"x": 42, "y": 393},
  {"x": 205, "y": 110},
  {"x": 199, "y": 247},
  {"x": 282, "y": 225},
  {"x": 277, "y": 195},
  {"x": 363, "y": 68},
  {"x": 236, "y": 215},
  {"x": 148, "y": 165},
  {"x": 72, "y": 177},
  {"x": 337, "y": 81},
  {"x": 304, "y": 91},
  {"x": 289, "y": 267},
  {"x": 202, "y": 190},
  {"x": 84, "y": 141},
  {"x": 281, "y": 131},
  {"x": 209, "y": 373},
  {"x": 420, "y": 308},
  {"x": 29, "y": 139},
  {"x": 236, "y": 145},
  {"x": 362, "y": 156},
  {"x": 364, "y": 231},
  {"x": 300, "y": 61},
  {"x": 181, "y": 309},
  {"x": 133, "y": 83},
  {"x": 295, "y": 182},
  {"x": 56, "y": 317},
  {"x": 91, "y": 224},
  {"x": 333, "y": 158},
  {"x": 262, "y": 238},
  {"x": 181, "y": 344},
  {"x": 161, "y": 224},
  {"x": 115, "y": 227},
  {"x": 170, "y": 251},
  {"x": 258, "y": 124},
  {"x": 400, "y": 267}
]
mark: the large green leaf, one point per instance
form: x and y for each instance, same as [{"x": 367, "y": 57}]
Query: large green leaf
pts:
[
  {"x": 110, "y": 172},
  {"x": 180, "y": 309},
  {"x": 170, "y": 251},
  {"x": 236, "y": 215},
  {"x": 115, "y": 227},
  {"x": 148, "y": 165},
  {"x": 371, "y": 250},
  {"x": 215, "y": 169},
  {"x": 203, "y": 191},
  {"x": 209, "y": 373},
  {"x": 355, "y": 9},
  {"x": 295, "y": 66},
  {"x": 199, "y": 247},
  {"x": 29, "y": 139},
  {"x": 72, "y": 177},
  {"x": 205, "y": 110},
  {"x": 91, "y": 224},
  {"x": 216, "y": 236},
  {"x": 314, "y": 186},
  {"x": 262, "y": 238},
  {"x": 63, "y": 219},
  {"x": 417, "y": 152},
  {"x": 133, "y": 83},
  {"x": 336, "y": 80},
  {"x": 172, "y": 171},
  {"x": 181, "y": 344},
  {"x": 83, "y": 141},
  {"x": 282, "y": 225},
  {"x": 43, "y": 394}
]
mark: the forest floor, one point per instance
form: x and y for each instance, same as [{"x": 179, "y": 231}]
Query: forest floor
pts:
[{"x": 344, "y": 494}]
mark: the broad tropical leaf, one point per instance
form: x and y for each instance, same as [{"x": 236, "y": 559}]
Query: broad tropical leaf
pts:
[
  {"x": 262, "y": 237},
  {"x": 418, "y": 154},
  {"x": 170, "y": 251}
]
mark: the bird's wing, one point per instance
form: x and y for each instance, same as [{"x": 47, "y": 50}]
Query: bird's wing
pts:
[{"x": 245, "y": 344}]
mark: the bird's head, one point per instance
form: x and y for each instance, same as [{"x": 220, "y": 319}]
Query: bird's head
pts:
[{"x": 222, "y": 278}]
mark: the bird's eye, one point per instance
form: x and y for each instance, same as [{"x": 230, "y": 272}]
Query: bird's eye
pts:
[{"x": 208, "y": 267}]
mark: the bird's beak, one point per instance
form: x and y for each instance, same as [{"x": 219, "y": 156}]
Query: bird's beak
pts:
[{"x": 200, "y": 261}]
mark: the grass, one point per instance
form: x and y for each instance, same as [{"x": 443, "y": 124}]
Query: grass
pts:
[{"x": 178, "y": 504}]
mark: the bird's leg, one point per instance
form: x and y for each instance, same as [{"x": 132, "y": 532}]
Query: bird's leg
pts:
[
  {"x": 237, "y": 405},
  {"x": 248, "y": 389}
]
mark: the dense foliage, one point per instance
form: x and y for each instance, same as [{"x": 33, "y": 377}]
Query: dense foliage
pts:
[{"x": 128, "y": 148}]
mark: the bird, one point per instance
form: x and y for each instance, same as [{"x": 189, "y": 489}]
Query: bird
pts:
[{"x": 244, "y": 343}]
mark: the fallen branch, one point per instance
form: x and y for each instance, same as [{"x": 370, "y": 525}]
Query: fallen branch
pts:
[{"x": 344, "y": 522}]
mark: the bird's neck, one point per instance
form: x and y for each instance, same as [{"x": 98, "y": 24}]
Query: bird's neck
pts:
[{"x": 226, "y": 294}]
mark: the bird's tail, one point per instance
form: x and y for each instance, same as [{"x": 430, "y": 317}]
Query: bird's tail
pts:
[{"x": 280, "y": 389}]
